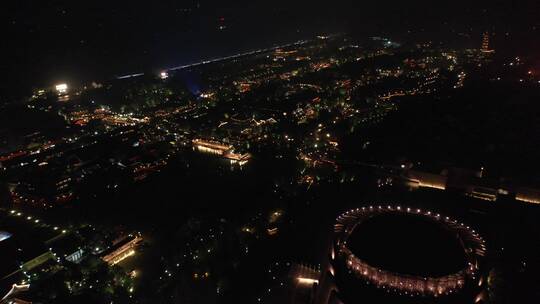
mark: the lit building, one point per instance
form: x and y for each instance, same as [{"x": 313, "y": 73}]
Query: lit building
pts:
[
  {"x": 528, "y": 195},
  {"x": 361, "y": 268},
  {"x": 122, "y": 250},
  {"x": 13, "y": 292},
  {"x": 224, "y": 150},
  {"x": 426, "y": 180},
  {"x": 211, "y": 147},
  {"x": 61, "y": 89}
]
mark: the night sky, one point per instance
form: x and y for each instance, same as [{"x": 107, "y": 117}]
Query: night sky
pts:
[{"x": 49, "y": 41}]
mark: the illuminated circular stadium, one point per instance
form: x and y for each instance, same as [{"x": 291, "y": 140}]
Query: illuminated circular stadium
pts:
[{"x": 404, "y": 252}]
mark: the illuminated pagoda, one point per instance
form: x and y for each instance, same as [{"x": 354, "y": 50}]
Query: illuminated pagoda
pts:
[{"x": 486, "y": 44}]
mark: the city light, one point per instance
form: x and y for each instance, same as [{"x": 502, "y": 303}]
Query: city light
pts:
[
  {"x": 297, "y": 127},
  {"x": 61, "y": 88}
]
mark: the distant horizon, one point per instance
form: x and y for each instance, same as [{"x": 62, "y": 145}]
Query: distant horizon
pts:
[
  {"x": 26, "y": 90},
  {"x": 48, "y": 42}
]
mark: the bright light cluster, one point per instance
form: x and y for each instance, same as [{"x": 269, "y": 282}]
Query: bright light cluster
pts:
[{"x": 61, "y": 88}]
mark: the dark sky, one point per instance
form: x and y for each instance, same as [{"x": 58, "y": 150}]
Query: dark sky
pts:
[{"x": 48, "y": 41}]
